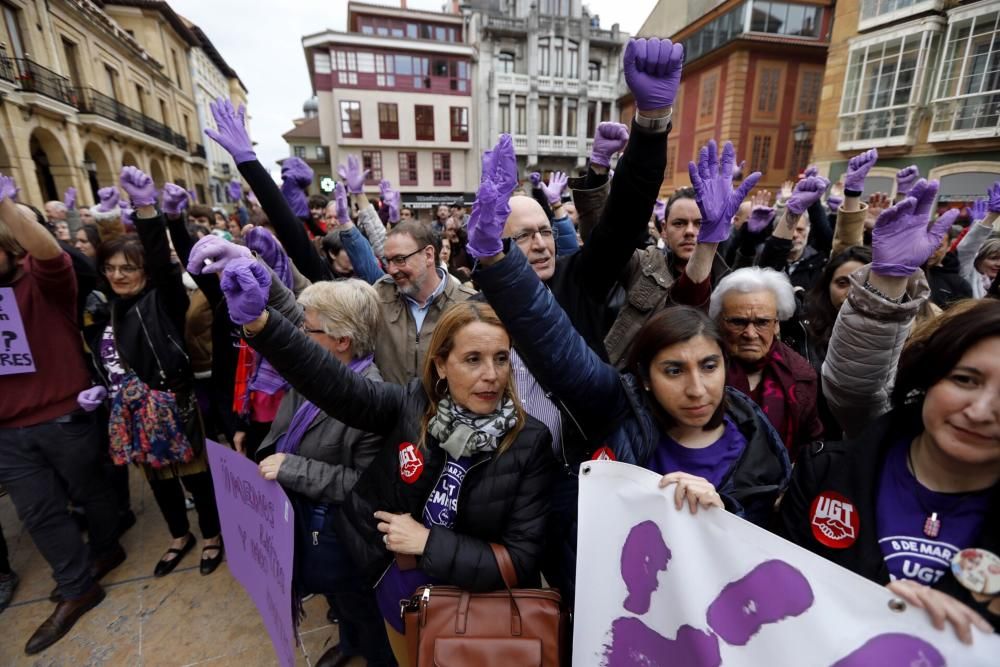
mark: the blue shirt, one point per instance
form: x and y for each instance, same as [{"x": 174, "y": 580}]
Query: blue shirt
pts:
[
  {"x": 712, "y": 462},
  {"x": 419, "y": 311}
]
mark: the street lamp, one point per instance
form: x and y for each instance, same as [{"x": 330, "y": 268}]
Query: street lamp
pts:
[{"x": 801, "y": 133}]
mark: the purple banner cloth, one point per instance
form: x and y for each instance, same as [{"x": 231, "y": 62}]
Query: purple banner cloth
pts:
[
  {"x": 258, "y": 528},
  {"x": 15, "y": 354}
]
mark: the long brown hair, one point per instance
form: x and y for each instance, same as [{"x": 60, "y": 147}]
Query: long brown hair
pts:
[{"x": 453, "y": 320}]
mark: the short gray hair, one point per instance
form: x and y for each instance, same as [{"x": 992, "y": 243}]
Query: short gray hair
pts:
[
  {"x": 346, "y": 308},
  {"x": 755, "y": 279},
  {"x": 57, "y": 205}
]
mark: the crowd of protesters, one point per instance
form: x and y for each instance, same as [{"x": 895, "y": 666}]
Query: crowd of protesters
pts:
[{"x": 426, "y": 389}]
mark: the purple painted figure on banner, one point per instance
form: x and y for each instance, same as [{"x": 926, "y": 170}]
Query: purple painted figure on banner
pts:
[
  {"x": 894, "y": 649},
  {"x": 644, "y": 556},
  {"x": 15, "y": 353}
]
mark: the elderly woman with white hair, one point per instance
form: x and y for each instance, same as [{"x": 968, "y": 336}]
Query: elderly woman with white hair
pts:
[{"x": 749, "y": 305}]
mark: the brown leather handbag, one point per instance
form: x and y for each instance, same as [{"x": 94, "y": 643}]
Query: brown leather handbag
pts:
[{"x": 519, "y": 627}]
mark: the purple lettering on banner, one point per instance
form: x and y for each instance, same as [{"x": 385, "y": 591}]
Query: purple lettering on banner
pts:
[
  {"x": 644, "y": 556},
  {"x": 15, "y": 353},
  {"x": 633, "y": 644},
  {"x": 258, "y": 528},
  {"x": 771, "y": 592},
  {"x": 894, "y": 649}
]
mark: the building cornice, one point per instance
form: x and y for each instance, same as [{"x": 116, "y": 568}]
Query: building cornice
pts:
[{"x": 336, "y": 38}]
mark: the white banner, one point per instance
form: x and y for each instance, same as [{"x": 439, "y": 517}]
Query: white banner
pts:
[{"x": 658, "y": 587}]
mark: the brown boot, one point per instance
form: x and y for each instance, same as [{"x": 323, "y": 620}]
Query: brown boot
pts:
[
  {"x": 101, "y": 566},
  {"x": 66, "y": 614}
]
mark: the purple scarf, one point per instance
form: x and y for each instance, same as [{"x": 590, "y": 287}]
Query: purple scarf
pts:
[{"x": 289, "y": 443}]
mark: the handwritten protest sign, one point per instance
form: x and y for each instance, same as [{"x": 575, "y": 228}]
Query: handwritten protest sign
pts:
[
  {"x": 657, "y": 587},
  {"x": 258, "y": 527},
  {"x": 15, "y": 354}
]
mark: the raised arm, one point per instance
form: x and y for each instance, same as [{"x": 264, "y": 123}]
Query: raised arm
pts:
[
  {"x": 356, "y": 245},
  {"x": 21, "y": 222},
  {"x": 979, "y": 231}
]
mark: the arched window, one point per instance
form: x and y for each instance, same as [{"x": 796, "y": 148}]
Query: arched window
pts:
[
  {"x": 593, "y": 71},
  {"x": 505, "y": 62}
]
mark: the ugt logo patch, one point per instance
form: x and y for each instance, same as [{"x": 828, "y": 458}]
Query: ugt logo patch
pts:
[
  {"x": 834, "y": 520},
  {"x": 411, "y": 462}
]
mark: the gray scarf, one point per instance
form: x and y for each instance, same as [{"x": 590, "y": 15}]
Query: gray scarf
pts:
[{"x": 462, "y": 433}]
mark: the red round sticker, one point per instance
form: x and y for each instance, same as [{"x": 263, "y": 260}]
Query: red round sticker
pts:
[
  {"x": 603, "y": 454},
  {"x": 834, "y": 520},
  {"x": 411, "y": 462}
]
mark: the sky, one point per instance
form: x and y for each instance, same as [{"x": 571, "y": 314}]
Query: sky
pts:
[{"x": 262, "y": 41}]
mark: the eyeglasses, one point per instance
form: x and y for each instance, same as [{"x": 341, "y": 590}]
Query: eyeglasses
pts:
[
  {"x": 305, "y": 329},
  {"x": 400, "y": 260},
  {"x": 125, "y": 269},
  {"x": 741, "y": 323},
  {"x": 528, "y": 234}
]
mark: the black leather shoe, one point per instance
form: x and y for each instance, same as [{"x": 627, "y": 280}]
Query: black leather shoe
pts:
[
  {"x": 333, "y": 658},
  {"x": 209, "y": 565},
  {"x": 66, "y": 614},
  {"x": 99, "y": 568},
  {"x": 8, "y": 582},
  {"x": 165, "y": 567}
]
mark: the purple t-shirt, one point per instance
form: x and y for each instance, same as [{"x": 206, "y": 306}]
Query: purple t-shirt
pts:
[
  {"x": 904, "y": 504},
  {"x": 712, "y": 462}
]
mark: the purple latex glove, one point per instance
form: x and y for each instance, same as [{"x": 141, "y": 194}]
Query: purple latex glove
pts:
[
  {"x": 8, "y": 189},
  {"x": 811, "y": 170},
  {"x": 536, "y": 179},
  {"x": 212, "y": 253},
  {"x": 107, "y": 199},
  {"x": 69, "y": 198},
  {"x": 806, "y": 193},
  {"x": 138, "y": 186},
  {"x": 175, "y": 199},
  {"x": 500, "y": 167},
  {"x": 491, "y": 210},
  {"x": 555, "y": 187},
  {"x": 340, "y": 196},
  {"x": 232, "y": 133},
  {"x": 91, "y": 399},
  {"x": 906, "y": 178},
  {"x": 993, "y": 198},
  {"x": 833, "y": 202},
  {"x": 713, "y": 186},
  {"x": 978, "y": 210},
  {"x": 660, "y": 210},
  {"x": 193, "y": 195},
  {"x": 296, "y": 176},
  {"x": 901, "y": 241},
  {"x": 760, "y": 218},
  {"x": 391, "y": 199},
  {"x": 857, "y": 168},
  {"x": 246, "y": 284},
  {"x": 353, "y": 175},
  {"x": 609, "y": 139},
  {"x": 653, "y": 72},
  {"x": 235, "y": 191}
]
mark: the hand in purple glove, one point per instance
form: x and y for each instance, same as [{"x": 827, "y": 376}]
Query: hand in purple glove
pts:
[
  {"x": 713, "y": 186},
  {"x": 69, "y": 198},
  {"x": 660, "y": 210},
  {"x": 901, "y": 241},
  {"x": 857, "y": 168},
  {"x": 653, "y": 72},
  {"x": 993, "y": 198},
  {"x": 760, "y": 218},
  {"x": 811, "y": 170},
  {"x": 246, "y": 284},
  {"x": 235, "y": 191},
  {"x": 138, "y": 186},
  {"x": 609, "y": 139},
  {"x": 353, "y": 175},
  {"x": 391, "y": 199},
  {"x": 175, "y": 199},
  {"x": 340, "y": 196},
  {"x": 296, "y": 176},
  {"x": 232, "y": 133},
  {"x": 8, "y": 189},
  {"x": 555, "y": 187},
  {"x": 491, "y": 208},
  {"x": 833, "y": 202},
  {"x": 91, "y": 399},
  {"x": 212, "y": 253},
  {"x": 906, "y": 178},
  {"x": 806, "y": 193},
  {"x": 978, "y": 210},
  {"x": 500, "y": 165},
  {"x": 536, "y": 179},
  {"x": 108, "y": 199}
]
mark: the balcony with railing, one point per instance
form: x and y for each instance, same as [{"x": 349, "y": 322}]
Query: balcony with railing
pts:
[
  {"x": 6, "y": 66},
  {"x": 552, "y": 145},
  {"x": 506, "y": 25},
  {"x": 90, "y": 101},
  {"x": 34, "y": 78}
]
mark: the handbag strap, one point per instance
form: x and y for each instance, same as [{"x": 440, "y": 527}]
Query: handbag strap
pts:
[{"x": 505, "y": 564}]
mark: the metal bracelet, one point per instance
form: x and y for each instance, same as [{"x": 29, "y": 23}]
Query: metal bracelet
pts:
[{"x": 874, "y": 290}]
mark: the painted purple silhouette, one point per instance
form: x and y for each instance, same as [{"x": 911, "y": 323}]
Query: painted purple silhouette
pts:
[
  {"x": 633, "y": 644},
  {"x": 644, "y": 555},
  {"x": 894, "y": 649},
  {"x": 771, "y": 592}
]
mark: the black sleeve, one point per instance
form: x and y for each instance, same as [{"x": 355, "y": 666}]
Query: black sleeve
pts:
[
  {"x": 593, "y": 180},
  {"x": 821, "y": 232},
  {"x": 183, "y": 244},
  {"x": 163, "y": 274},
  {"x": 775, "y": 254},
  {"x": 287, "y": 227}
]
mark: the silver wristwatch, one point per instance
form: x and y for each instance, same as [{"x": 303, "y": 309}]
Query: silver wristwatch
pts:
[{"x": 654, "y": 124}]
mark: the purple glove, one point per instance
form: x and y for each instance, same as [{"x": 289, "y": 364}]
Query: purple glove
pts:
[
  {"x": 500, "y": 167},
  {"x": 760, "y": 218},
  {"x": 8, "y": 190},
  {"x": 905, "y": 178},
  {"x": 610, "y": 139},
  {"x": 491, "y": 210},
  {"x": 993, "y": 198},
  {"x": 660, "y": 210},
  {"x": 833, "y": 202},
  {"x": 536, "y": 179},
  {"x": 217, "y": 252},
  {"x": 653, "y": 72},
  {"x": 555, "y": 187},
  {"x": 232, "y": 133},
  {"x": 901, "y": 241},
  {"x": 353, "y": 175},
  {"x": 340, "y": 196},
  {"x": 391, "y": 199},
  {"x": 811, "y": 170},
  {"x": 235, "y": 191},
  {"x": 246, "y": 284},
  {"x": 713, "y": 186},
  {"x": 175, "y": 199},
  {"x": 91, "y": 399},
  {"x": 69, "y": 198},
  {"x": 857, "y": 168},
  {"x": 138, "y": 186},
  {"x": 108, "y": 199},
  {"x": 978, "y": 210},
  {"x": 296, "y": 176},
  {"x": 806, "y": 193}
]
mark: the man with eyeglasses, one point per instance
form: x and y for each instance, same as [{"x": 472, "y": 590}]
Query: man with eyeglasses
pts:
[{"x": 749, "y": 305}]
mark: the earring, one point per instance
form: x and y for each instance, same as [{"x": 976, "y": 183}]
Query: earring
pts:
[{"x": 437, "y": 387}]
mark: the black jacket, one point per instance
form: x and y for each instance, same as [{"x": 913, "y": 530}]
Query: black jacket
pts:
[
  {"x": 852, "y": 468},
  {"x": 946, "y": 281},
  {"x": 504, "y": 497}
]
